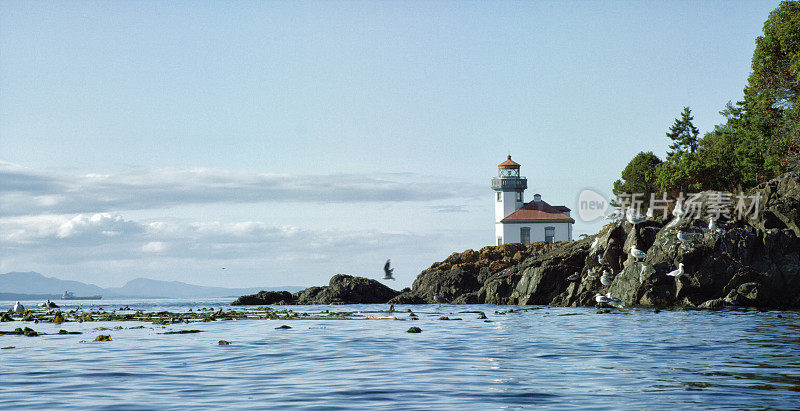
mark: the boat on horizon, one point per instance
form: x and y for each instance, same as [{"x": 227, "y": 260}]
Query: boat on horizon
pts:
[{"x": 70, "y": 296}]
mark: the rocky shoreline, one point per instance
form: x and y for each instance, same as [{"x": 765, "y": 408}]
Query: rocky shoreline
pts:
[{"x": 753, "y": 262}]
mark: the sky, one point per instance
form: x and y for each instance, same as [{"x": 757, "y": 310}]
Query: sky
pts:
[{"x": 289, "y": 141}]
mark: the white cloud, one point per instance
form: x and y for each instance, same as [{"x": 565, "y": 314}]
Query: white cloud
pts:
[
  {"x": 28, "y": 192},
  {"x": 155, "y": 247}
]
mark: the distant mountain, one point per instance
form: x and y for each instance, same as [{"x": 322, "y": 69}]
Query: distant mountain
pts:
[
  {"x": 145, "y": 287},
  {"x": 35, "y": 283}
]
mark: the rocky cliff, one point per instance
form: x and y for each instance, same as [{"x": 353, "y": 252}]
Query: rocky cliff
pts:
[{"x": 748, "y": 262}]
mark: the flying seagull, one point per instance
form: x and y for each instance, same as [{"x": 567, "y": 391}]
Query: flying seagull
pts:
[{"x": 388, "y": 271}]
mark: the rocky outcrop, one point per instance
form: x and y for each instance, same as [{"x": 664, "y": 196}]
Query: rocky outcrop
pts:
[
  {"x": 265, "y": 298},
  {"x": 750, "y": 262},
  {"x": 342, "y": 289},
  {"x": 459, "y": 278},
  {"x": 346, "y": 289}
]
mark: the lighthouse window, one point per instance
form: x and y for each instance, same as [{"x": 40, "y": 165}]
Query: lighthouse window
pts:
[
  {"x": 550, "y": 234},
  {"x": 525, "y": 235},
  {"x": 519, "y": 196},
  {"x": 499, "y": 240},
  {"x": 499, "y": 197}
]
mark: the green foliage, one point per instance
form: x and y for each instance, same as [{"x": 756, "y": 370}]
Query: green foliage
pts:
[
  {"x": 639, "y": 176},
  {"x": 761, "y": 134}
]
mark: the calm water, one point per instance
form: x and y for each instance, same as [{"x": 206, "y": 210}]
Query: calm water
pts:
[{"x": 546, "y": 357}]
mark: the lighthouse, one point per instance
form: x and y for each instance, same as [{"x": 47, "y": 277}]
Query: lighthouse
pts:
[{"x": 519, "y": 222}]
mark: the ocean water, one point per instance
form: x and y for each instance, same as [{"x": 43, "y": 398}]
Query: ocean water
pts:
[{"x": 542, "y": 357}]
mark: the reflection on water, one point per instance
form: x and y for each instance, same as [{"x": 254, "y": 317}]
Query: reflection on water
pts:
[{"x": 551, "y": 357}]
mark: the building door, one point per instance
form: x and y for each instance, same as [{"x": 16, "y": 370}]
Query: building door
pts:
[{"x": 525, "y": 235}]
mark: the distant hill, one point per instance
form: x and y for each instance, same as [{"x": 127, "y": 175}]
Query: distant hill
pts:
[{"x": 35, "y": 283}]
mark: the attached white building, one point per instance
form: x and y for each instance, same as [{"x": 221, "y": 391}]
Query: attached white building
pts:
[{"x": 518, "y": 222}]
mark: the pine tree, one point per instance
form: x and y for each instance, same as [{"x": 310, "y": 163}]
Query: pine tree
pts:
[{"x": 684, "y": 137}]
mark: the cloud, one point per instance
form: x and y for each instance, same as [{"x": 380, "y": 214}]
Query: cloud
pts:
[
  {"x": 27, "y": 192},
  {"x": 107, "y": 237}
]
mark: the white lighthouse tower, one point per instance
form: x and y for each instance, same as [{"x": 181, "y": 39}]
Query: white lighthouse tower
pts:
[{"x": 518, "y": 222}]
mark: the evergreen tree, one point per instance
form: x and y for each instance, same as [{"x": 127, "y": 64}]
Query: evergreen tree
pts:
[{"x": 684, "y": 137}]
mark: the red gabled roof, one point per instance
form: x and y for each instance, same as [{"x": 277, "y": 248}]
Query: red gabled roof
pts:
[{"x": 539, "y": 212}]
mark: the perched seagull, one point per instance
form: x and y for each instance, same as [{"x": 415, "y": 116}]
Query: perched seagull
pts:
[
  {"x": 613, "y": 300},
  {"x": 18, "y": 308},
  {"x": 684, "y": 237},
  {"x": 615, "y": 215},
  {"x": 678, "y": 210},
  {"x": 48, "y": 304},
  {"x": 607, "y": 299},
  {"x": 676, "y": 273},
  {"x": 595, "y": 244},
  {"x": 574, "y": 277},
  {"x": 712, "y": 224},
  {"x": 601, "y": 260},
  {"x": 593, "y": 272},
  {"x": 607, "y": 278},
  {"x": 678, "y": 213},
  {"x": 388, "y": 271},
  {"x": 634, "y": 217},
  {"x": 637, "y": 253}
]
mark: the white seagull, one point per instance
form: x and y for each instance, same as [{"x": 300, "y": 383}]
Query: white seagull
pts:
[
  {"x": 634, "y": 217},
  {"x": 615, "y": 215},
  {"x": 676, "y": 273},
  {"x": 607, "y": 278},
  {"x": 637, "y": 253},
  {"x": 684, "y": 237},
  {"x": 678, "y": 210},
  {"x": 18, "y": 308},
  {"x": 601, "y": 260},
  {"x": 607, "y": 299}
]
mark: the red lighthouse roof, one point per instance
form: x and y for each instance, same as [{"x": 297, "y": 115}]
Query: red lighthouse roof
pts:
[
  {"x": 508, "y": 164},
  {"x": 539, "y": 212}
]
